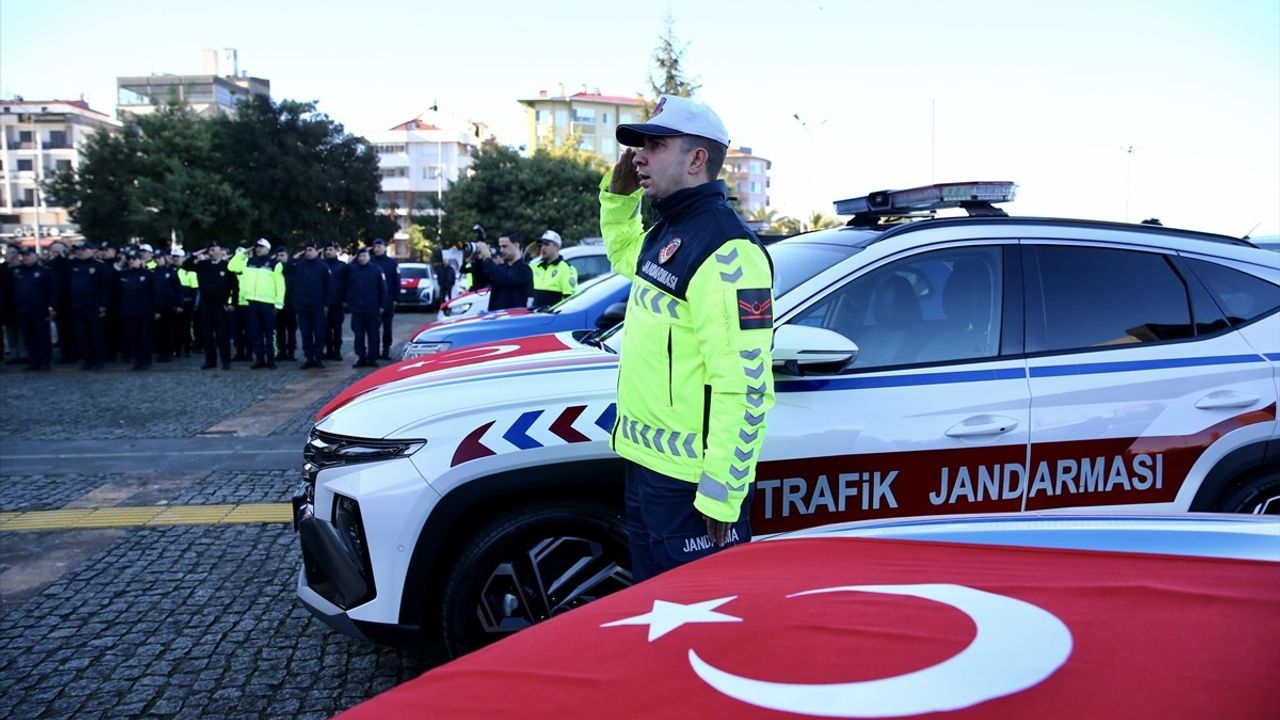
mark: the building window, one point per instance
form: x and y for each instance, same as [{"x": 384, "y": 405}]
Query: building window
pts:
[
  {"x": 755, "y": 187},
  {"x": 24, "y": 136},
  {"x": 58, "y": 139},
  {"x": 28, "y": 197},
  {"x": 584, "y": 115},
  {"x": 607, "y": 147},
  {"x": 62, "y": 165},
  {"x": 395, "y": 172},
  {"x": 562, "y": 117},
  {"x": 604, "y": 118},
  {"x": 385, "y": 148},
  {"x": 756, "y": 167},
  {"x": 24, "y": 165}
]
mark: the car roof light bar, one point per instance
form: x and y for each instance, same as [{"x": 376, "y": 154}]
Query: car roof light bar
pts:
[{"x": 976, "y": 197}]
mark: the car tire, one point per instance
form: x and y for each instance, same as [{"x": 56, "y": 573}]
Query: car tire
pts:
[
  {"x": 1259, "y": 494},
  {"x": 499, "y": 583}
]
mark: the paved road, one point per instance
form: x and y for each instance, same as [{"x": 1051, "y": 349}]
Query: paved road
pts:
[{"x": 159, "y": 617}]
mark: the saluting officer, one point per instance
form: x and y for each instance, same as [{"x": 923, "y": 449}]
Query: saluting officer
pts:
[
  {"x": 366, "y": 300},
  {"x": 262, "y": 293},
  {"x": 87, "y": 302},
  {"x": 337, "y": 295},
  {"x": 217, "y": 301},
  {"x": 168, "y": 306},
  {"x": 391, "y": 275},
  {"x": 312, "y": 287},
  {"x": 35, "y": 295},
  {"x": 554, "y": 279},
  {"x": 286, "y": 317},
  {"x": 188, "y": 329},
  {"x": 138, "y": 309},
  {"x": 700, "y": 327}
]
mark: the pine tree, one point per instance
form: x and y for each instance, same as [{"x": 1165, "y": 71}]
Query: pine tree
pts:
[{"x": 668, "y": 77}]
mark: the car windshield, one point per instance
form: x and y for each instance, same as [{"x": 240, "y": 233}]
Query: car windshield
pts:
[
  {"x": 590, "y": 293},
  {"x": 795, "y": 262},
  {"x": 413, "y": 271}
]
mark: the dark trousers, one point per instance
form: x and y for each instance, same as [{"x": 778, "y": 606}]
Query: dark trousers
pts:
[
  {"x": 240, "y": 331},
  {"x": 311, "y": 325},
  {"x": 365, "y": 327},
  {"x": 333, "y": 331},
  {"x": 185, "y": 324},
  {"x": 664, "y": 527},
  {"x": 262, "y": 322},
  {"x": 36, "y": 338},
  {"x": 114, "y": 346},
  {"x": 387, "y": 316},
  {"x": 287, "y": 332},
  {"x": 216, "y": 322},
  {"x": 166, "y": 334},
  {"x": 90, "y": 341},
  {"x": 138, "y": 338},
  {"x": 66, "y": 324}
]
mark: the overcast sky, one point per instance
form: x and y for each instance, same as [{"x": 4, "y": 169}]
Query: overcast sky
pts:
[{"x": 888, "y": 94}]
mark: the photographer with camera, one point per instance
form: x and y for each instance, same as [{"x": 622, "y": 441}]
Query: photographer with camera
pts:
[
  {"x": 472, "y": 265},
  {"x": 510, "y": 278}
]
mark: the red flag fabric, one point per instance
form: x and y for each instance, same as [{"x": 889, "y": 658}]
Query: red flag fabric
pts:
[{"x": 852, "y": 627}]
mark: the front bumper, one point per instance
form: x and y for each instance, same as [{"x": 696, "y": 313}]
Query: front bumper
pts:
[{"x": 335, "y": 569}]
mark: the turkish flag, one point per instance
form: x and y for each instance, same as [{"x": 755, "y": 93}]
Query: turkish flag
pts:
[{"x": 850, "y": 627}]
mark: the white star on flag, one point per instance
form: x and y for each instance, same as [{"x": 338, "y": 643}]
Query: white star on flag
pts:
[
  {"x": 667, "y": 616},
  {"x": 418, "y": 364}
]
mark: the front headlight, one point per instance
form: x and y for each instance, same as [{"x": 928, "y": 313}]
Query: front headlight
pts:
[
  {"x": 457, "y": 309},
  {"x": 413, "y": 350},
  {"x": 324, "y": 450}
]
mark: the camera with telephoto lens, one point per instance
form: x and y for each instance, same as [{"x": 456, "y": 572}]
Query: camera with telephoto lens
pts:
[{"x": 469, "y": 248}]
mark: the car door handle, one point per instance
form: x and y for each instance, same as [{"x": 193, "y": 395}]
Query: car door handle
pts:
[
  {"x": 1226, "y": 399},
  {"x": 980, "y": 425}
]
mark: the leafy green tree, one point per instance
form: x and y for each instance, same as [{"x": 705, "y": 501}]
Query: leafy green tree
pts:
[
  {"x": 819, "y": 220},
  {"x": 302, "y": 174},
  {"x": 786, "y": 225},
  {"x": 100, "y": 195},
  {"x": 421, "y": 245},
  {"x": 669, "y": 76},
  {"x": 554, "y": 189}
]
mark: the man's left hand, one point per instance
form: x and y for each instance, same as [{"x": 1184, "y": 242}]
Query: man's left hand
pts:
[{"x": 717, "y": 531}]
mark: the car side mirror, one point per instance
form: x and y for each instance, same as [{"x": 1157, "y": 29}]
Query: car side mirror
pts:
[
  {"x": 612, "y": 315},
  {"x": 801, "y": 349}
]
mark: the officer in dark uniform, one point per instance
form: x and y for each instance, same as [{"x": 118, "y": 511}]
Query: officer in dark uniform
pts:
[
  {"x": 112, "y": 331},
  {"x": 138, "y": 311},
  {"x": 337, "y": 294},
  {"x": 168, "y": 306},
  {"x": 34, "y": 295},
  {"x": 87, "y": 303},
  {"x": 216, "y": 301},
  {"x": 391, "y": 273},
  {"x": 58, "y": 261},
  {"x": 366, "y": 300},
  {"x": 286, "y": 318},
  {"x": 310, "y": 290}
]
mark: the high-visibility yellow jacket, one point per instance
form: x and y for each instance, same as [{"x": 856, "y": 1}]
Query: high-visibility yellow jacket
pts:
[
  {"x": 553, "y": 282},
  {"x": 188, "y": 279},
  {"x": 261, "y": 279},
  {"x": 696, "y": 379}
]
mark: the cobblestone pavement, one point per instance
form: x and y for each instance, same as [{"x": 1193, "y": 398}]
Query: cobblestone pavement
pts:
[{"x": 167, "y": 622}]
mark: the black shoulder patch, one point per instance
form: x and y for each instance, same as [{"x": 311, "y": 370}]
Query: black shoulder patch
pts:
[{"x": 755, "y": 309}]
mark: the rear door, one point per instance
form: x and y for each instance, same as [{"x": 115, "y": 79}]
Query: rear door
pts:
[
  {"x": 931, "y": 418},
  {"x": 1135, "y": 375}
]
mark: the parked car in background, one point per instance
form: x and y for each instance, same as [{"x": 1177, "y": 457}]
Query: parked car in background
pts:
[
  {"x": 1015, "y": 616},
  {"x": 588, "y": 309},
  {"x": 589, "y": 260},
  {"x": 1267, "y": 242},
  {"x": 419, "y": 287}
]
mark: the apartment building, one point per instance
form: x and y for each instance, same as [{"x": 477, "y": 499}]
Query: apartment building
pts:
[
  {"x": 216, "y": 91},
  {"x": 747, "y": 176},
  {"x": 590, "y": 116},
  {"x": 40, "y": 138}
]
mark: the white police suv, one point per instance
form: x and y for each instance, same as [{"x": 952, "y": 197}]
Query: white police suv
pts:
[{"x": 936, "y": 366}]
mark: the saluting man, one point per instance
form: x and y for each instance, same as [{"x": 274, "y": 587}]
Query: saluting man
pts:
[
  {"x": 35, "y": 297},
  {"x": 261, "y": 289},
  {"x": 311, "y": 290},
  {"x": 554, "y": 279},
  {"x": 695, "y": 382}
]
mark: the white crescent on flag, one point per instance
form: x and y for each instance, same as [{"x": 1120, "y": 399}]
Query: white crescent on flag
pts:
[{"x": 1017, "y": 645}]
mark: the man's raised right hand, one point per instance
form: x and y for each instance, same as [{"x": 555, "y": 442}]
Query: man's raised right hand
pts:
[{"x": 626, "y": 179}]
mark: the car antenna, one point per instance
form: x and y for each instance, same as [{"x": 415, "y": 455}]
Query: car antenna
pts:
[{"x": 1255, "y": 227}]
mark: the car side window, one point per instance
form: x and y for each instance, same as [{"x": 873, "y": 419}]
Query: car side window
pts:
[
  {"x": 943, "y": 305},
  {"x": 589, "y": 266},
  {"x": 1099, "y": 297},
  {"x": 1243, "y": 297}
]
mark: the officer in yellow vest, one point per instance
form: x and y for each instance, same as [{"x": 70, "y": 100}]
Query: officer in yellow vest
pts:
[
  {"x": 187, "y": 322},
  {"x": 262, "y": 292},
  {"x": 695, "y": 382},
  {"x": 554, "y": 279}
]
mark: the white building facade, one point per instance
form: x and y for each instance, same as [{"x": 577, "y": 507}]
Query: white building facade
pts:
[
  {"x": 41, "y": 138},
  {"x": 418, "y": 160}
]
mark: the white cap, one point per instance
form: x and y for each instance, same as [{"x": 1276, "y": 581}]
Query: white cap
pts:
[
  {"x": 178, "y": 252},
  {"x": 551, "y": 236},
  {"x": 674, "y": 115},
  {"x": 263, "y": 242},
  {"x": 146, "y": 248}
]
